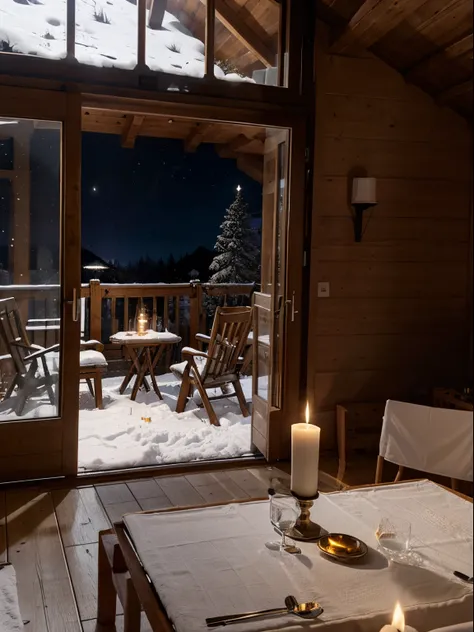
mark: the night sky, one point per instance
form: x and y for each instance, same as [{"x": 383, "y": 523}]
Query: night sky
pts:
[{"x": 155, "y": 199}]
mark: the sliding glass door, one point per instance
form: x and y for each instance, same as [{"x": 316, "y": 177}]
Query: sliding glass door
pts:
[
  {"x": 277, "y": 307},
  {"x": 39, "y": 282}
]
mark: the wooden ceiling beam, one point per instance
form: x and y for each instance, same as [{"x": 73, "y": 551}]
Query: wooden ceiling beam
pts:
[
  {"x": 451, "y": 52},
  {"x": 156, "y": 14},
  {"x": 252, "y": 166},
  {"x": 241, "y": 142},
  {"x": 227, "y": 14},
  {"x": 454, "y": 91},
  {"x": 373, "y": 20},
  {"x": 196, "y": 136},
  {"x": 133, "y": 123}
]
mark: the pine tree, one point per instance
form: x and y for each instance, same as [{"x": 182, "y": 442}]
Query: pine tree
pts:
[{"x": 238, "y": 257}]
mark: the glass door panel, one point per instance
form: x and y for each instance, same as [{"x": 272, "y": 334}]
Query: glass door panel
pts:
[
  {"x": 39, "y": 269},
  {"x": 269, "y": 304},
  {"x": 30, "y": 296}
]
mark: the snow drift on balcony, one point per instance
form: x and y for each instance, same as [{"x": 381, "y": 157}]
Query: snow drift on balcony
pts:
[{"x": 106, "y": 36}]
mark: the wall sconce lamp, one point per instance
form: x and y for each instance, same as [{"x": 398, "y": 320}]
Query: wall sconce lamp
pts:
[{"x": 364, "y": 196}]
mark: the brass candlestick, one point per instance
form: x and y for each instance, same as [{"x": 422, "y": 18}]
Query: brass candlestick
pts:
[{"x": 305, "y": 529}]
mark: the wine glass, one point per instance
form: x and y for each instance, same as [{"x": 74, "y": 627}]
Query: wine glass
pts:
[{"x": 283, "y": 516}]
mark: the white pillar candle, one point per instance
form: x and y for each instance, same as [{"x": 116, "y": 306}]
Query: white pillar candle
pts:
[{"x": 304, "y": 458}]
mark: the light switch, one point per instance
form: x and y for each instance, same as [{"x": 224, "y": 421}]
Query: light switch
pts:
[{"x": 323, "y": 289}]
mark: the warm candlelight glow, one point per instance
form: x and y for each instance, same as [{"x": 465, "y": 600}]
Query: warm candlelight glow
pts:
[
  {"x": 398, "y": 620},
  {"x": 142, "y": 322},
  {"x": 336, "y": 544},
  {"x": 307, "y": 412}
]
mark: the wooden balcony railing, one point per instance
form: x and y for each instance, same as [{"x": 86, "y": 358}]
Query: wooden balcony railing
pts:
[{"x": 106, "y": 308}]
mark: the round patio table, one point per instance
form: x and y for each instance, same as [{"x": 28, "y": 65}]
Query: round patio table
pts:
[{"x": 144, "y": 352}]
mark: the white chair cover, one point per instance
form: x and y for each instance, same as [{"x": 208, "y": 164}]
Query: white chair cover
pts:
[{"x": 432, "y": 440}]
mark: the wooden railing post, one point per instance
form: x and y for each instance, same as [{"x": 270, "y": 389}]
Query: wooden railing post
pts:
[
  {"x": 71, "y": 29},
  {"x": 194, "y": 313},
  {"x": 95, "y": 310}
]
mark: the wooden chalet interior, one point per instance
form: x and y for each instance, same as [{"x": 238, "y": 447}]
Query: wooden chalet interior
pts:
[{"x": 353, "y": 88}]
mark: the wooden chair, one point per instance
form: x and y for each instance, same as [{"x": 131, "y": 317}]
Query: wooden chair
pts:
[
  {"x": 27, "y": 358},
  {"x": 92, "y": 366},
  {"x": 433, "y": 440},
  {"x": 220, "y": 365},
  {"x": 32, "y": 372}
]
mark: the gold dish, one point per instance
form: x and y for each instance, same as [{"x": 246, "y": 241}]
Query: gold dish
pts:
[{"x": 342, "y": 547}]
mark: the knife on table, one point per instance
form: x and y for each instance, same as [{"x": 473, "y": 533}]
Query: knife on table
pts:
[{"x": 464, "y": 577}]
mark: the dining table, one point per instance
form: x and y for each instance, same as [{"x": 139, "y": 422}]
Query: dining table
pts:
[{"x": 189, "y": 564}]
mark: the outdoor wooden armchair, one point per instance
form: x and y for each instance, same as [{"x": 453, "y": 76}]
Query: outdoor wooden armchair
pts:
[
  {"x": 26, "y": 357},
  {"x": 220, "y": 365},
  {"x": 32, "y": 372}
]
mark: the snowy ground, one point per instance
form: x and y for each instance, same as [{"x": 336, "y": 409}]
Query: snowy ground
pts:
[
  {"x": 106, "y": 35},
  {"x": 116, "y": 437}
]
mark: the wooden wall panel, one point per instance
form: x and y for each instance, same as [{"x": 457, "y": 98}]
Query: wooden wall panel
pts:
[{"x": 396, "y": 322}]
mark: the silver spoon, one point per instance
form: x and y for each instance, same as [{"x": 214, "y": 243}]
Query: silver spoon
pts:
[{"x": 308, "y": 610}]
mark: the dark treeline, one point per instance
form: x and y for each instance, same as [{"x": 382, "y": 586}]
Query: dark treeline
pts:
[{"x": 151, "y": 270}]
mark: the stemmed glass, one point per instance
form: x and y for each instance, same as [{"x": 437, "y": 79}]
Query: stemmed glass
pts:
[{"x": 283, "y": 516}]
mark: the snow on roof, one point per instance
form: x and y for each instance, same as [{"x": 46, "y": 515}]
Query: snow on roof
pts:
[{"x": 106, "y": 36}]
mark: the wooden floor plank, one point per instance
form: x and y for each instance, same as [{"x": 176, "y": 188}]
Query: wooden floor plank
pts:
[
  {"x": 209, "y": 488},
  {"x": 231, "y": 486},
  {"x": 82, "y": 562},
  {"x": 113, "y": 494},
  {"x": 161, "y": 502},
  {"x": 266, "y": 474},
  {"x": 115, "y": 512},
  {"x": 248, "y": 482},
  {"x": 89, "y": 626},
  {"x": 3, "y": 532},
  {"x": 35, "y": 550},
  {"x": 80, "y": 515},
  {"x": 145, "y": 488},
  {"x": 179, "y": 491}
]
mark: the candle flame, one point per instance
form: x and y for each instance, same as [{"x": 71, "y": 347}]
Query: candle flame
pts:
[
  {"x": 398, "y": 620},
  {"x": 307, "y": 412}
]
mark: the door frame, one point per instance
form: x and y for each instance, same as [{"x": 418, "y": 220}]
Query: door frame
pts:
[
  {"x": 66, "y": 106},
  {"x": 297, "y": 121},
  {"x": 48, "y": 447}
]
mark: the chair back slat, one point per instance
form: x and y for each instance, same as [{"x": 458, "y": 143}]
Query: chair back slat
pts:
[
  {"x": 229, "y": 335},
  {"x": 13, "y": 333}
]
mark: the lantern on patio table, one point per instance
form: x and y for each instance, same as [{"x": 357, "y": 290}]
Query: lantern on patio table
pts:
[{"x": 142, "y": 322}]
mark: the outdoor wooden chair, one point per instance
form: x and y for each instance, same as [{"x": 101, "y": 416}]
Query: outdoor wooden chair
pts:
[
  {"x": 220, "y": 366},
  {"x": 31, "y": 370},
  {"x": 26, "y": 357}
]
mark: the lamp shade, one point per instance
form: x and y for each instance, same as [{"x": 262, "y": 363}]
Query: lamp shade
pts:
[{"x": 364, "y": 191}]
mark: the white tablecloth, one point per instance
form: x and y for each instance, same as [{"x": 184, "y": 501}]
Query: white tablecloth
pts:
[
  {"x": 10, "y": 618},
  {"x": 213, "y": 561},
  {"x": 149, "y": 336}
]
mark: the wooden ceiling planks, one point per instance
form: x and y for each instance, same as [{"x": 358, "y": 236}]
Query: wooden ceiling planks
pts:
[
  {"x": 429, "y": 41},
  {"x": 373, "y": 20},
  {"x": 246, "y": 31}
]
